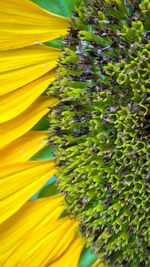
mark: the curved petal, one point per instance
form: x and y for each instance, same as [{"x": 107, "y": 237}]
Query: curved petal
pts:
[
  {"x": 34, "y": 214},
  {"x": 13, "y": 129},
  {"x": 46, "y": 245},
  {"x": 19, "y": 181},
  {"x": 15, "y": 102},
  {"x": 23, "y": 57},
  {"x": 23, "y": 23},
  {"x": 24, "y": 147},
  {"x": 97, "y": 264},
  {"x": 71, "y": 256},
  {"x": 22, "y": 66}
]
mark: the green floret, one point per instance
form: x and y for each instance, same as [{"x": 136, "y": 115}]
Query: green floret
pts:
[{"x": 101, "y": 128}]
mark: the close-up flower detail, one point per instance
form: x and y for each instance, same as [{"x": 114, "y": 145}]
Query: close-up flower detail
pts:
[
  {"x": 24, "y": 23},
  {"x": 74, "y": 131},
  {"x": 31, "y": 232},
  {"x": 100, "y": 128}
]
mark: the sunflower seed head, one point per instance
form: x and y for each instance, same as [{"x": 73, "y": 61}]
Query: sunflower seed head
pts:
[{"x": 101, "y": 127}]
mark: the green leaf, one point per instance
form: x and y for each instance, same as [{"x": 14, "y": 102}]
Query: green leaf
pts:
[
  {"x": 57, "y": 43},
  {"x": 60, "y": 7},
  {"x": 44, "y": 154},
  {"x": 49, "y": 190},
  {"x": 41, "y": 125},
  {"x": 87, "y": 258},
  {"x": 49, "y": 182}
]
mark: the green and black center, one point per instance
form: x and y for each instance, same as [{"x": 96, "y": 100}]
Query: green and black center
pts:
[{"x": 100, "y": 129}]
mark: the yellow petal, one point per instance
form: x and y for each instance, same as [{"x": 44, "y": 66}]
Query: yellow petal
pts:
[
  {"x": 71, "y": 256},
  {"x": 44, "y": 245},
  {"x": 34, "y": 214},
  {"x": 23, "y": 57},
  {"x": 23, "y": 23},
  {"x": 15, "y": 102},
  {"x": 24, "y": 147},
  {"x": 19, "y": 181},
  {"x": 98, "y": 264},
  {"x": 13, "y": 129},
  {"x": 22, "y": 66}
]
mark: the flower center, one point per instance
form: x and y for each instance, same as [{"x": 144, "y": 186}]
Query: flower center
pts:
[{"x": 100, "y": 128}]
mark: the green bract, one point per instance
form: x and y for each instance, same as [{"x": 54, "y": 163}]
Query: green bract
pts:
[{"x": 101, "y": 130}]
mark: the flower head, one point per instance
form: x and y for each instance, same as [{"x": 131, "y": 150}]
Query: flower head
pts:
[{"x": 100, "y": 127}]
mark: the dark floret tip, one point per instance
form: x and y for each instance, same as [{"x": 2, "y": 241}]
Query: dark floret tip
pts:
[{"x": 101, "y": 129}]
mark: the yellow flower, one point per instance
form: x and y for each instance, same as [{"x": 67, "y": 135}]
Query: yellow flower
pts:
[{"x": 32, "y": 233}]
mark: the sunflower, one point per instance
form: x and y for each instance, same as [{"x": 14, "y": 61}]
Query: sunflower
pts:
[
  {"x": 34, "y": 232},
  {"x": 97, "y": 101}
]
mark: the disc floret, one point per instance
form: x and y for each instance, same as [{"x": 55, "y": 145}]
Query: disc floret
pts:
[{"x": 101, "y": 129}]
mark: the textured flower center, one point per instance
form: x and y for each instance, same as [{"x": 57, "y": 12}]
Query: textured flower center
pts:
[{"x": 101, "y": 128}]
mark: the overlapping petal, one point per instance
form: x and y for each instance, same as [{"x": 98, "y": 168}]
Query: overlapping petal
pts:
[
  {"x": 15, "y": 102},
  {"x": 24, "y": 23},
  {"x": 44, "y": 241},
  {"x": 51, "y": 241},
  {"x": 23, "y": 148},
  {"x": 13, "y": 129},
  {"x": 22, "y": 66},
  {"x": 31, "y": 233},
  {"x": 98, "y": 264},
  {"x": 23, "y": 57},
  {"x": 19, "y": 181},
  {"x": 33, "y": 214},
  {"x": 71, "y": 256}
]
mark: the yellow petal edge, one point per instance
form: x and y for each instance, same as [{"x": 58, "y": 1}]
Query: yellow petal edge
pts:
[{"x": 24, "y": 23}]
